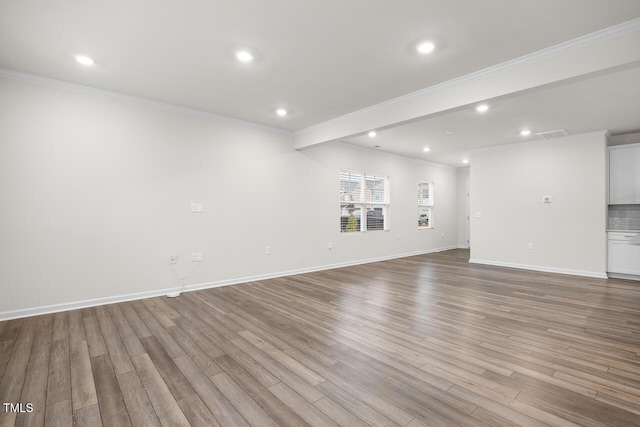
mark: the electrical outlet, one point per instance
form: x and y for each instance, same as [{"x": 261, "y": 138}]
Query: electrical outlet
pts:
[
  {"x": 197, "y": 207},
  {"x": 173, "y": 259},
  {"x": 194, "y": 257},
  {"x": 530, "y": 246},
  {"x": 199, "y": 256},
  {"x": 267, "y": 250},
  {"x": 442, "y": 236},
  {"x": 330, "y": 245}
]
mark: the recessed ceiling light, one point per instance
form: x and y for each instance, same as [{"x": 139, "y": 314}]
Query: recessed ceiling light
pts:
[
  {"x": 425, "y": 47},
  {"x": 525, "y": 132},
  {"x": 482, "y": 108},
  {"x": 281, "y": 112},
  {"x": 448, "y": 132},
  {"x": 244, "y": 56},
  {"x": 85, "y": 60},
  {"x": 465, "y": 161},
  {"x": 372, "y": 134},
  {"x": 426, "y": 149}
]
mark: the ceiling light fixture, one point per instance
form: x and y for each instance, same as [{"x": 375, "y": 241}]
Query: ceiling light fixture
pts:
[
  {"x": 525, "y": 132},
  {"x": 482, "y": 108},
  {"x": 85, "y": 60},
  {"x": 244, "y": 56},
  {"x": 372, "y": 134},
  {"x": 465, "y": 161},
  {"x": 281, "y": 112},
  {"x": 425, "y": 47},
  {"x": 426, "y": 149},
  {"x": 448, "y": 132}
]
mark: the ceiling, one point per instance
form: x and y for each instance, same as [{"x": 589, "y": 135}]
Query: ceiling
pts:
[
  {"x": 321, "y": 59},
  {"x": 608, "y": 101}
]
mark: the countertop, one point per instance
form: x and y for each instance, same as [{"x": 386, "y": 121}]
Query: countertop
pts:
[{"x": 623, "y": 231}]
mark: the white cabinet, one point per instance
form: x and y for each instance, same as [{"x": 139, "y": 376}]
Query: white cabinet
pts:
[
  {"x": 624, "y": 174},
  {"x": 624, "y": 253}
]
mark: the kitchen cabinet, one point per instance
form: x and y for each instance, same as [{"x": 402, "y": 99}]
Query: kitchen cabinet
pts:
[
  {"x": 624, "y": 174},
  {"x": 624, "y": 252}
]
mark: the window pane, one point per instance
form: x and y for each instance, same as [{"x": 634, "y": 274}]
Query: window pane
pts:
[
  {"x": 350, "y": 187},
  {"x": 350, "y": 217},
  {"x": 375, "y": 217},
  {"x": 375, "y": 189},
  {"x": 424, "y": 217},
  {"x": 424, "y": 194}
]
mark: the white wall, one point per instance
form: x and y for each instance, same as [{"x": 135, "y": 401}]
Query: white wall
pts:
[
  {"x": 507, "y": 187},
  {"x": 96, "y": 192}
]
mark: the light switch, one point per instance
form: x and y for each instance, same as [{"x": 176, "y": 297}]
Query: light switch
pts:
[
  {"x": 546, "y": 199},
  {"x": 478, "y": 214}
]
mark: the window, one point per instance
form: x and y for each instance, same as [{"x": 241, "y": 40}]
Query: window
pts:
[
  {"x": 363, "y": 192},
  {"x": 425, "y": 204}
]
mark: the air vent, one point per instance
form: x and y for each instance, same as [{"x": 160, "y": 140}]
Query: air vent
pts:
[{"x": 558, "y": 133}]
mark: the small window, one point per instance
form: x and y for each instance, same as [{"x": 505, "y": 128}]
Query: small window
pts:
[
  {"x": 364, "y": 201},
  {"x": 425, "y": 204}
]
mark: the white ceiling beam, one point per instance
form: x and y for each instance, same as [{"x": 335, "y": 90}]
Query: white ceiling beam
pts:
[{"x": 597, "y": 52}]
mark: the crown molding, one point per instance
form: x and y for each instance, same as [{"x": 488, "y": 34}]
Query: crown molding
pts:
[
  {"x": 143, "y": 102},
  {"x": 558, "y": 49}
]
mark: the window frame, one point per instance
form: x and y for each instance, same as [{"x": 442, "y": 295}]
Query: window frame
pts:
[
  {"x": 364, "y": 201},
  {"x": 425, "y": 204}
]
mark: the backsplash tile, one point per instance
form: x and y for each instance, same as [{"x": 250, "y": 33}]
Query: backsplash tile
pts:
[{"x": 624, "y": 217}]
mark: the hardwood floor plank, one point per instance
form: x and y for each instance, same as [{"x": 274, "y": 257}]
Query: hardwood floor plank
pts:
[
  {"x": 83, "y": 390},
  {"x": 263, "y": 397},
  {"x": 59, "y": 385},
  {"x": 360, "y": 390},
  {"x": 166, "y": 408},
  {"x": 284, "y": 359},
  {"x": 88, "y": 416},
  {"x": 118, "y": 354},
  {"x": 223, "y": 410},
  {"x": 168, "y": 343},
  {"x": 42, "y": 343},
  {"x": 338, "y": 414},
  {"x": 195, "y": 352},
  {"x": 129, "y": 338},
  {"x": 112, "y": 408},
  {"x": 95, "y": 341},
  {"x": 423, "y": 340},
  {"x": 153, "y": 305},
  {"x": 196, "y": 412},
  {"x": 301, "y": 387},
  {"x": 195, "y": 324},
  {"x": 246, "y": 406},
  {"x": 60, "y": 326},
  {"x": 34, "y": 392},
  {"x": 138, "y": 326},
  {"x": 173, "y": 378},
  {"x": 16, "y": 370},
  {"x": 59, "y": 414},
  {"x": 76, "y": 326},
  {"x": 139, "y": 408},
  {"x": 304, "y": 409}
]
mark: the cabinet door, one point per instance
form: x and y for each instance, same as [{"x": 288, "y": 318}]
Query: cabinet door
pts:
[
  {"x": 623, "y": 257},
  {"x": 624, "y": 175}
]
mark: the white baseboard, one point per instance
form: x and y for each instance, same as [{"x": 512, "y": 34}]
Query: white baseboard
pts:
[
  {"x": 55, "y": 308},
  {"x": 623, "y": 276},
  {"x": 595, "y": 274}
]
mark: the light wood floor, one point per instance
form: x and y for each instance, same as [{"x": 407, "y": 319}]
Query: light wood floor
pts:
[{"x": 426, "y": 340}]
